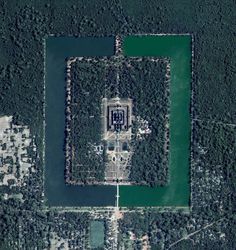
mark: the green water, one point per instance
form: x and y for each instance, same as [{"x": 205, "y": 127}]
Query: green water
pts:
[
  {"x": 56, "y": 191},
  {"x": 97, "y": 234},
  {"x": 178, "y": 50}
]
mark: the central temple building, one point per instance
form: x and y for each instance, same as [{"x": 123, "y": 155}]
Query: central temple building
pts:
[
  {"x": 117, "y": 130},
  {"x": 117, "y": 117}
]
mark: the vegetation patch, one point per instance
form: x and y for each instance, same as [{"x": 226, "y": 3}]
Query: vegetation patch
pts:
[
  {"x": 84, "y": 154},
  {"x": 146, "y": 81},
  {"x": 143, "y": 81}
]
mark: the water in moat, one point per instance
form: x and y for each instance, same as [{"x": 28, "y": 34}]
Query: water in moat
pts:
[
  {"x": 178, "y": 49},
  {"x": 57, "y": 193}
]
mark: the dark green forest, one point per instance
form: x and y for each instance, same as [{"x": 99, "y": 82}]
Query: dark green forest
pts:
[
  {"x": 26, "y": 23},
  {"x": 87, "y": 80},
  {"x": 146, "y": 83}
]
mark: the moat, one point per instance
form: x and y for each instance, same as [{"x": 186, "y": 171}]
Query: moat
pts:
[
  {"x": 56, "y": 191},
  {"x": 177, "y": 192}
]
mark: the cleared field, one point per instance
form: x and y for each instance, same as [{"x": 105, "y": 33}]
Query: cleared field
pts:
[{"x": 178, "y": 49}]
